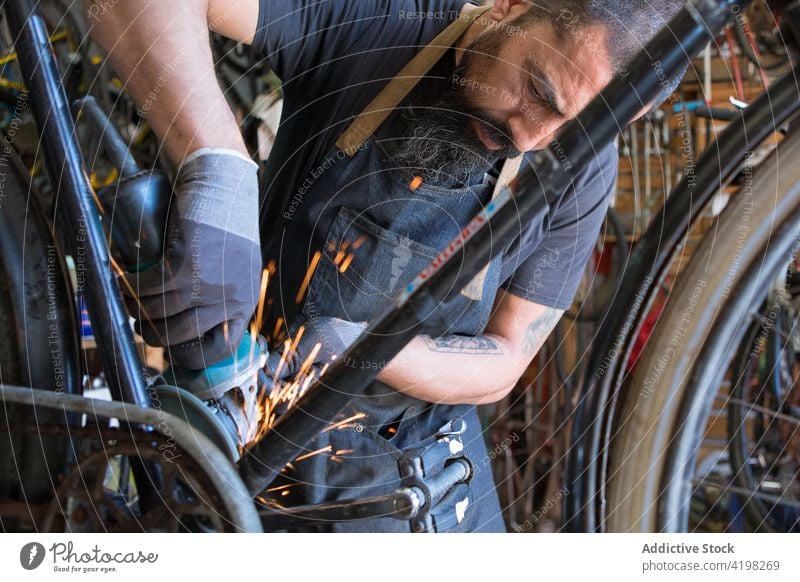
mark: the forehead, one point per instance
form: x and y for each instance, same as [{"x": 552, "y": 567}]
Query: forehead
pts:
[{"x": 573, "y": 62}]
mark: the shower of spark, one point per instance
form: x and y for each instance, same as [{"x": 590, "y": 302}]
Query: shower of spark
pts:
[
  {"x": 326, "y": 449},
  {"x": 307, "y": 279}
]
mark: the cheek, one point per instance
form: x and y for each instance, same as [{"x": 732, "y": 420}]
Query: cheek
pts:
[{"x": 491, "y": 93}]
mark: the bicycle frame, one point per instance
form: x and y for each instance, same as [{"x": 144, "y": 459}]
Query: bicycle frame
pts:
[
  {"x": 537, "y": 189},
  {"x": 65, "y": 167}
]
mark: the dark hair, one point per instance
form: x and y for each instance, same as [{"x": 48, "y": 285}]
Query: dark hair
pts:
[{"x": 630, "y": 25}]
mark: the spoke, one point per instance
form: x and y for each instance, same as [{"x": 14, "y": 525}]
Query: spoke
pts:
[
  {"x": 758, "y": 408},
  {"x": 742, "y": 491},
  {"x": 766, "y": 323}
]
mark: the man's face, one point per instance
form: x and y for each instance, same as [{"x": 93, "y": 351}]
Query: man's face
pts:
[{"x": 511, "y": 92}]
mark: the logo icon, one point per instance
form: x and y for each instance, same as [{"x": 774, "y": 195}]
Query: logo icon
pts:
[
  {"x": 31, "y": 555},
  {"x": 401, "y": 256}
]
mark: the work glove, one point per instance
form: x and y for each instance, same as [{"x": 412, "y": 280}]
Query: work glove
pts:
[
  {"x": 198, "y": 299},
  {"x": 333, "y": 335}
]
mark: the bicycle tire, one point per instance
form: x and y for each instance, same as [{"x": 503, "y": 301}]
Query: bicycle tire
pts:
[
  {"x": 597, "y": 406},
  {"x": 38, "y": 339},
  {"x": 653, "y": 451},
  {"x": 759, "y": 515},
  {"x": 742, "y": 374}
]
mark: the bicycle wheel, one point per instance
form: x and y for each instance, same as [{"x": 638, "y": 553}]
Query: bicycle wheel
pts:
[
  {"x": 38, "y": 344},
  {"x": 656, "y": 445},
  {"x": 763, "y": 389}
]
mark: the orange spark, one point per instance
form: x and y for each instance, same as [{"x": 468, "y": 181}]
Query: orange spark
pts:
[
  {"x": 326, "y": 449},
  {"x": 261, "y": 296},
  {"x": 346, "y": 263},
  {"x": 278, "y": 324},
  {"x": 341, "y": 423},
  {"x": 307, "y": 279}
]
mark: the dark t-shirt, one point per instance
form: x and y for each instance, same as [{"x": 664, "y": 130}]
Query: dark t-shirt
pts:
[{"x": 334, "y": 56}]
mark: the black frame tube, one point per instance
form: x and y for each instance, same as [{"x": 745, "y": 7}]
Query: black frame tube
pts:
[
  {"x": 64, "y": 163},
  {"x": 537, "y": 188},
  {"x": 594, "y": 418},
  {"x": 398, "y": 504}
]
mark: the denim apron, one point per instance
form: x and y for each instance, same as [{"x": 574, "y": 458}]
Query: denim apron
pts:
[{"x": 375, "y": 234}]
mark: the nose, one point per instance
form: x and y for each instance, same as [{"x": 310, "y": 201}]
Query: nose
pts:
[{"x": 529, "y": 132}]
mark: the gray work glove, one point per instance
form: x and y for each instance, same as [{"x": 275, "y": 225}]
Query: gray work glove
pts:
[
  {"x": 198, "y": 300},
  {"x": 334, "y": 336}
]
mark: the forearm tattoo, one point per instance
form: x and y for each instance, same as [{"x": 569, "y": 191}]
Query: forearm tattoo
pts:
[
  {"x": 462, "y": 344},
  {"x": 539, "y": 329}
]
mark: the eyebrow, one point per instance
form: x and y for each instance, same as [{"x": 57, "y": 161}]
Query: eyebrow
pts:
[{"x": 544, "y": 82}]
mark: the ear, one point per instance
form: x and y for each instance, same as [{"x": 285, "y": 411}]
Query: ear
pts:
[{"x": 502, "y": 9}]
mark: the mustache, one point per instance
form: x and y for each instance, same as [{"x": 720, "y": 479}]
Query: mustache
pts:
[{"x": 498, "y": 131}]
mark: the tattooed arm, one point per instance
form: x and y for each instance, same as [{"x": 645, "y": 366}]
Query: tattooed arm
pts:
[{"x": 460, "y": 369}]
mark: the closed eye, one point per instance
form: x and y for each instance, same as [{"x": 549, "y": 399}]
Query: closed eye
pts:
[
  {"x": 535, "y": 94},
  {"x": 542, "y": 95}
]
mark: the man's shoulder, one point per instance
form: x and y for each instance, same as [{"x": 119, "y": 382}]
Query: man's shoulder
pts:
[
  {"x": 593, "y": 178},
  {"x": 602, "y": 165}
]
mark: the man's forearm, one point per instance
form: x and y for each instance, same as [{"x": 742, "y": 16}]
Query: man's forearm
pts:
[
  {"x": 453, "y": 369},
  {"x": 162, "y": 53},
  {"x": 459, "y": 369}
]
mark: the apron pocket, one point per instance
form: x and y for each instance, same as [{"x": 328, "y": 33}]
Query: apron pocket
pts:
[{"x": 362, "y": 268}]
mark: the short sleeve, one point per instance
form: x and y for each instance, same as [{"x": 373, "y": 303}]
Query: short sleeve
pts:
[
  {"x": 299, "y": 37},
  {"x": 550, "y": 270}
]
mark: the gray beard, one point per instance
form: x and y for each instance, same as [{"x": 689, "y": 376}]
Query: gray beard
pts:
[
  {"x": 440, "y": 145},
  {"x": 434, "y": 147},
  {"x": 438, "y": 141}
]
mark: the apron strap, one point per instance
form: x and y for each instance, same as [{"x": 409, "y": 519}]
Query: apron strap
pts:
[
  {"x": 474, "y": 289},
  {"x": 398, "y": 88}
]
